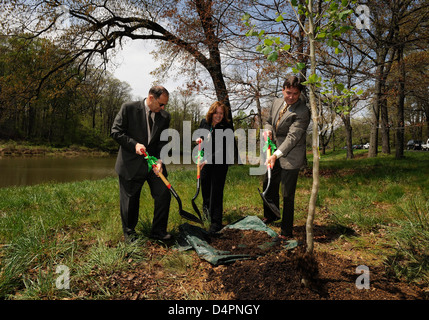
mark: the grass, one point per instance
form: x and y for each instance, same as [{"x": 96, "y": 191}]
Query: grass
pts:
[
  {"x": 383, "y": 201},
  {"x": 14, "y": 148}
]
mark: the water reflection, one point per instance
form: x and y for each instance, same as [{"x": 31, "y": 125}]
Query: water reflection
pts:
[{"x": 25, "y": 171}]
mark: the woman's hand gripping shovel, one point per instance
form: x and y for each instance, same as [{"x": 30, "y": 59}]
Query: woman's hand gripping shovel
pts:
[
  {"x": 268, "y": 145},
  {"x": 152, "y": 164},
  {"x": 199, "y": 157}
]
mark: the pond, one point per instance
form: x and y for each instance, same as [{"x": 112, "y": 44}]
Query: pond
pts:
[{"x": 26, "y": 171}]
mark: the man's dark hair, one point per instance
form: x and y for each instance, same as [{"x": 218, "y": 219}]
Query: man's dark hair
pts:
[
  {"x": 158, "y": 91},
  {"x": 294, "y": 82}
]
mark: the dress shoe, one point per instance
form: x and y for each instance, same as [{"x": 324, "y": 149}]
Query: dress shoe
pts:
[
  {"x": 214, "y": 232},
  {"x": 163, "y": 237},
  {"x": 214, "y": 228},
  {"x": 268, "y": 220},
  {"x": 130, "y": 237}
]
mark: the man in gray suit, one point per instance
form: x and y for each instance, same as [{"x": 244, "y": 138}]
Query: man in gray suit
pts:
[
  {"x": 287, "y": 124},
  {"x": 138, "y": 126}
]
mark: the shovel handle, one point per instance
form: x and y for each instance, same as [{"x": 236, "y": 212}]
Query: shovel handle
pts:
[
  {"x": 268, "y": 156},
  {"x": 164, "y": 179},
  {"x": 198, "y": 161}
]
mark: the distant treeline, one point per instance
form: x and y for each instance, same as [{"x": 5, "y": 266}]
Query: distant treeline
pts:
[{"x": 74, "y": 105}]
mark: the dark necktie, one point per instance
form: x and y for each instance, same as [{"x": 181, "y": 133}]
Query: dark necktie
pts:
[{"x": 150, "y": 121}]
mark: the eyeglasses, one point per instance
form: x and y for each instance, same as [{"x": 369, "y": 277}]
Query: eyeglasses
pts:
[{"x": 160, "y": 104}]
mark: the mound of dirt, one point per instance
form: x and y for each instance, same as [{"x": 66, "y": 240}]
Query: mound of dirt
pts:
[
  {"x": 249, "y": 242},
  {"x": 273, "y": 274},
  {"x": 297, "y": 275}
]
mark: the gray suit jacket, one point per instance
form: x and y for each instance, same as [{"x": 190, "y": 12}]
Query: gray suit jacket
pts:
[
  {"x": 290, "y": 136},
  {"x": 130, "y": 128}
]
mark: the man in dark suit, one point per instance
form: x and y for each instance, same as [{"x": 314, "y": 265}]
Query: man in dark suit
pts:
[
  {"x": 287, "y": 124},
  {"x": 138, "y": 125}
]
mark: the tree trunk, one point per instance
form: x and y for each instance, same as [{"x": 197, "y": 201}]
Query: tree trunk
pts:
[
  {"x": 220, "y": 87},
  {"x": 373, "y": 138},
  {"x": 349, "y": 130},
  {"x": 385, "y": 127},
  {"x": 314, "y": 114},
  {"x": 259, "y": 109},
  {"x": 213, "y": 64},
  {"x": 400, "y": 138},
  {"x": 377, "y": 105}
]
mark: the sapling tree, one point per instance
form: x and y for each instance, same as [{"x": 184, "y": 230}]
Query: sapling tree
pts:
[{"x": 325, "y": 21}]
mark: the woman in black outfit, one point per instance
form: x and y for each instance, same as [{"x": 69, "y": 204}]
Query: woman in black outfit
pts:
[{"x": 214, "y": 166}]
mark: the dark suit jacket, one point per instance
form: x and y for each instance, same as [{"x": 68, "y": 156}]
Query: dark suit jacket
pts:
[
  {"x": 212, "y": 154},
  {"x": 130, "y": 128},
  {"x": 290, "y": 136}
]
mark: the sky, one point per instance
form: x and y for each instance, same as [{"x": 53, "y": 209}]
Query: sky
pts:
[{"x": 134, "y": 64}]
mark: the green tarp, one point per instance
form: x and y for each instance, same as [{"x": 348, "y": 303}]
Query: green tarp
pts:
[{"x": 194, "y": 237}]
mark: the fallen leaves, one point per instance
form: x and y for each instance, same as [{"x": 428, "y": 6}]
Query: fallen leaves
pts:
[{"x": 276, "y": 275}]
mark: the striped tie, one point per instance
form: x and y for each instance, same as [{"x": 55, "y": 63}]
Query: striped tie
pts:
[{"x": 281, "y": 114}]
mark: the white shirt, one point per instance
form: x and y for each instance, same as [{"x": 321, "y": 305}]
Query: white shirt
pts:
[{"x": 278, "y": 153}]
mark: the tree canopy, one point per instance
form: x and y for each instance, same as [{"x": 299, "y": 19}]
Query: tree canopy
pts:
[{"x": 206, "y": 39}]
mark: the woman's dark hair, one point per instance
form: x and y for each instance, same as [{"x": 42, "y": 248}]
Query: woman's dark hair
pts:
[{"x": 212, "y": 111}]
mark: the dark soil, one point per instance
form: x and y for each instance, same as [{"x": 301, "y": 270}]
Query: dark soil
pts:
[
  {"x": 279, "y": 277},
  {"x": 248, "y": 242},
  {"x": 272, "y": 274},
  {"x": 279, "y": 274}
]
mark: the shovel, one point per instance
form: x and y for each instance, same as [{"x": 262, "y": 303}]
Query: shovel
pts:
[
  {"x": 269, "y": 203},
  {"x": 194, "y": 205},
  {"x": 184, "y": 214}
]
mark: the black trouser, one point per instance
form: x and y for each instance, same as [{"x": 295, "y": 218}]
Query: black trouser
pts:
[
  {"x": 288, "y": 180},
  {"x": 129, "y": 192},
  {"x": 213, "y": 178}
]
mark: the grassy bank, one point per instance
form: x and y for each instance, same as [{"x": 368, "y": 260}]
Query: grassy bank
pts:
[
  {"x": 12, "y": 148},
  {"x": 379, "y": 207}
]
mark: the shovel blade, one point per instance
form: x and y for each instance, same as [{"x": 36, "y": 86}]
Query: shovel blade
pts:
[
  {"x": 189, "y": 216},
  {"x": 194, "y": 205},
  {"x": 270, "y": 205},
  {"x": 184, "y": 214}
]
